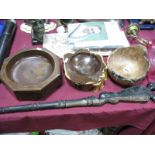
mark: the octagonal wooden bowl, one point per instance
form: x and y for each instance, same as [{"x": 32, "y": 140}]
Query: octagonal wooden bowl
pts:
[{"x": 32, "y": 73}]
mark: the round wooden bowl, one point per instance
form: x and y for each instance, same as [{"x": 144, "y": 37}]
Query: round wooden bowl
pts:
[
  {"x": 85, "y": 70},
  {"x": 127, "y": 66}
]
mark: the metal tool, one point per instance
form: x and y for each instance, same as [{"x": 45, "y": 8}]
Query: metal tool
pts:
[
  {"x": 132, "y": 94},
  {"x": 132, "y": 33}
]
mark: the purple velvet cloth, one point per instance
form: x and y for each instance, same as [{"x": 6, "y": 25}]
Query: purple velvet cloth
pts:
[{"x": 141, "y": 117}]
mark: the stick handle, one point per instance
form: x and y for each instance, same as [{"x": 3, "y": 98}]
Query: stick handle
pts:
[{"x": 90, "y": 101}]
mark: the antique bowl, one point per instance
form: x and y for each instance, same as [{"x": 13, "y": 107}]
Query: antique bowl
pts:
[
  {"x": 32, "y": 73},
  {"x": 85, "y": 70},
  {"x": 127, "y": 66}
]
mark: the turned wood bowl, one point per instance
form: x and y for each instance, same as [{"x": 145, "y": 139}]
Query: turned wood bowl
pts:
[
  {"x": 127, "y": 66},
  {"x": 31, "y": 73},
  {"x": 85, "y": 70}
]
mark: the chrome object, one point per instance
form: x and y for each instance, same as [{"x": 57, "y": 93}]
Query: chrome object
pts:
[{"x": 132, "y": 33}]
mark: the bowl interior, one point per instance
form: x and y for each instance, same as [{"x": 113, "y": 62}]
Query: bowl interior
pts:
[
  {"x": 30, "y": 67},
  {"x": 85, "y": 63},
  {"x": 129, "y": 64}
]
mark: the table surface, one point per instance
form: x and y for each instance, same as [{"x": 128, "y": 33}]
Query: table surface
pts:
[{"x": 140, "y": 116}]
